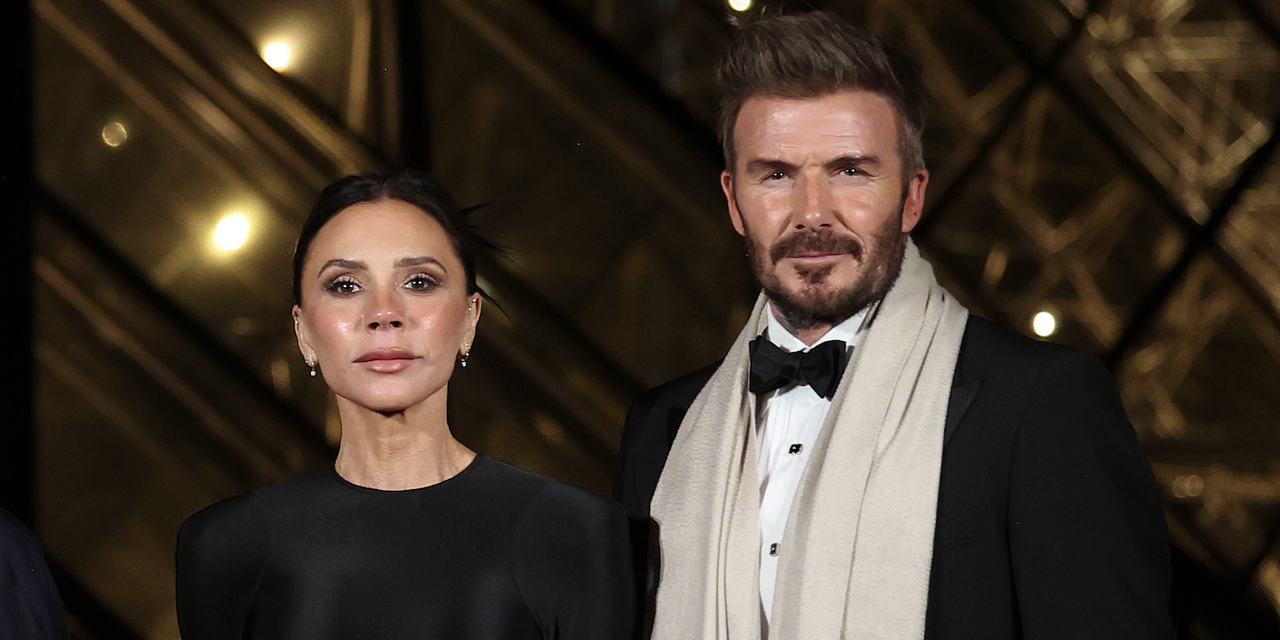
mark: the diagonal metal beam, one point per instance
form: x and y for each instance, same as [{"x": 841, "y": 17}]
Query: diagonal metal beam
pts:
[
  {"x": 71, "y": 223},
  {"x": 1199, "y": 241},
  {"x": 1039, "y": 72}
]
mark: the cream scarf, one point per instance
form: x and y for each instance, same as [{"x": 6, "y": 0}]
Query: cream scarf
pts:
[{"x": 858, "y": 546}]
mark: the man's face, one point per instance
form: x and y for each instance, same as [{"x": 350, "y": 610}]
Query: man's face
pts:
[{"x": 818, "y": 192}]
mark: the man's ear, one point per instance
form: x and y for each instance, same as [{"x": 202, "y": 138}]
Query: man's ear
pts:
[
  {"x": 735, "y": 216},
  {"x": 913, "y": 203},
  {"x": 303, "y": 333}
]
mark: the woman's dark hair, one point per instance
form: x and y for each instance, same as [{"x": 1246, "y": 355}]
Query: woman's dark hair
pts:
[{"x": 418, "y": 188}]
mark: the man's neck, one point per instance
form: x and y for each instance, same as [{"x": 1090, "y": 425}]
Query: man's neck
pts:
[{"x": 809, "y": 333}]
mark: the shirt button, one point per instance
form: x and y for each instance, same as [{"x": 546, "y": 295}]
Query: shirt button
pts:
[
  {"x": 773, "y": 549},
  {"x": 795, "y": 448}
]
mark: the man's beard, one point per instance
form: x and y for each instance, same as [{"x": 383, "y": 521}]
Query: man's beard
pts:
[{"x": 819, "y": 301}]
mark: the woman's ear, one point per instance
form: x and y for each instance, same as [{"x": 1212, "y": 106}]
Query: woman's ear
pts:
[
  {"x": 474, "y": 304},
  {"x": 303, "y": 333}
]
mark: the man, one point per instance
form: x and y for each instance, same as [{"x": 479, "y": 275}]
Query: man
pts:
[{"x": 869, "y": 461}]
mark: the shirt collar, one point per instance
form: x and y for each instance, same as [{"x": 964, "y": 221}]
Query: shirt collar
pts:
[{"x": 847, "y": 332}]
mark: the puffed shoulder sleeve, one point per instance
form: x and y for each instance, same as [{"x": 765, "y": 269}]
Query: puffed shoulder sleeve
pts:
[
  {"x": 1087, "y": 533},
  {"x": 221, "y": 553},
  {"x": 571, "y": 560}
]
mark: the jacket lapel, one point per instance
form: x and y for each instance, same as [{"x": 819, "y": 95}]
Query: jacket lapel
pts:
[{"x": 962, "y": 396}]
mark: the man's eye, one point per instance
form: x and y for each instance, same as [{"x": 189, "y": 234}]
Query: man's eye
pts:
[
  {"x": 850, "y": 171},
  {"x": 421, "y": 283},
  {"x": 342, "y": 287},
  {"x": 776, "y": 175}
]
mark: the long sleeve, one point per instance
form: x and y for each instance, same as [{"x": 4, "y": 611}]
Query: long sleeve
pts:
[
  {"x": 29, "y": 604},
  {"x": 572, "y": 563},
  {"x": 1088, "y": 541},
  {"x": 221, "y": 553}
]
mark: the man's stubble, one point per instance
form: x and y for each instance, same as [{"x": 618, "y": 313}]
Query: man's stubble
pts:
[{"x": 821, "y": 301}]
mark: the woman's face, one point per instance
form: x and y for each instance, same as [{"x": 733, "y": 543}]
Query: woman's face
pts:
[{"x": 385, "y": 309}]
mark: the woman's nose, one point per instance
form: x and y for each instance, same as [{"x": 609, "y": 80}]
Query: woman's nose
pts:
[{"x": 384, "y": 312}]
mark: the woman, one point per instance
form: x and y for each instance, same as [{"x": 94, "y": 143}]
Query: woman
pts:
[{"x": 410, "y": 534}]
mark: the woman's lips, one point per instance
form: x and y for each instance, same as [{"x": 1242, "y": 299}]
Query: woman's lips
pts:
[{"x": 386, "y": 360}]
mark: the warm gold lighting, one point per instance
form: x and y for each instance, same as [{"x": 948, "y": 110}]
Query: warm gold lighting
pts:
[
  {"x": 231, "y": 232},
  {"x": 114, "y": 134},
  {"x": 740, "y": 5},
  {"x": 277, "y": 55},
  {"x": 1044, "y": 324},
  {"x": 1187, "y": 486}
]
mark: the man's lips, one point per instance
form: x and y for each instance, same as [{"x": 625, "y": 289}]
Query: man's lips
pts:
[
  {"x": 815, "y": 255},
  {"x": 386, "y": 360}
]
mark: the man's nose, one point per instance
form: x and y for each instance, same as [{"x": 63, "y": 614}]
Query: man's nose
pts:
[{"x": 813, "y": 206}]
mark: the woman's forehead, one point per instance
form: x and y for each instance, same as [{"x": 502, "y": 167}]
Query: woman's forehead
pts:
[{"x": 384, "y": 228}]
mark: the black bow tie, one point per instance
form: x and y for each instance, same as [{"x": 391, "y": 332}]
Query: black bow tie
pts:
[{"x": 773, "y": 368}]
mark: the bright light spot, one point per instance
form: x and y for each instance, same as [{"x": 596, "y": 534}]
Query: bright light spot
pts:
[
  {"x": 739, "y": 5},
  {"x": 231, "y": 232},
  {"x": 277, "y": 54},
  {"x": 114, "y": 134},
  {"x": 1044, "y": 324}
]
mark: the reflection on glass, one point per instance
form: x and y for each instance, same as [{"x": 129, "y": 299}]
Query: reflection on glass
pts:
[{"x": 114, "y": 134}]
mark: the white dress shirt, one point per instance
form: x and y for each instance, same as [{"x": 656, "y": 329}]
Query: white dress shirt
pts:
[{"x": 787, "y": 426}]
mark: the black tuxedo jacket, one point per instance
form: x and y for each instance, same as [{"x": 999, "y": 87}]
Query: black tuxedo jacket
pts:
[{"x": 1049, "y": 520}]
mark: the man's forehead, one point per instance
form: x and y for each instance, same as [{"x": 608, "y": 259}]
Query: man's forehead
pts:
[{"x": 846, "y": 118}]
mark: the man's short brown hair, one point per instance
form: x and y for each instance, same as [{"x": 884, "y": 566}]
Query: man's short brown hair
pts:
[{"x": 813, "y": 54}]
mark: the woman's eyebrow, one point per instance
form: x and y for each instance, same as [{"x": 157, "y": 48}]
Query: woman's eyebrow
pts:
[
  {"x": 354, "y": 265},
  {"x": 418, "y": 261}
]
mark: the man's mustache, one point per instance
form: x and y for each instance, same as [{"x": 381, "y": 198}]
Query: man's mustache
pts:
[{"x": 820, "y": 241}]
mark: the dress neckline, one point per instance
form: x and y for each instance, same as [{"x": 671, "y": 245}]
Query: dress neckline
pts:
[{"x": 475, "y": 462}]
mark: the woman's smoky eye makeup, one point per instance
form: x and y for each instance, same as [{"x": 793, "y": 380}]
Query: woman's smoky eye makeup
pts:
[
  {"x": 342, "y": 285},
  {"x": 336, "y": 277},
  {"x": 421, "y": 281}
]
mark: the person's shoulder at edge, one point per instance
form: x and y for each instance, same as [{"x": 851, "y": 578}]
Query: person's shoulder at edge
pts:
[
  {"x": 549, "y": 500},
  {"x": 1022, "y": 365},
  {"x": 650, "y": 428},
  {"x": 222, "y": 551},
  {"x": 674, "y": 395},
  {"x": 243, "y": 514},
  {"x": 570, "y": 557},
  {"x": 30, "y": 606}
]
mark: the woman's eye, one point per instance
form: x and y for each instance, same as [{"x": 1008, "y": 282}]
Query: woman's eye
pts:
[
  {"x": 342, "y": 287},
  {"x": 421, "y": 282}
]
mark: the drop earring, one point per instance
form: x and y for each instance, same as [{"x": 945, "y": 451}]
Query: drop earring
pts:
[
  {"x": 466, "y": 353},
  {"x": 312, "y": 364}
]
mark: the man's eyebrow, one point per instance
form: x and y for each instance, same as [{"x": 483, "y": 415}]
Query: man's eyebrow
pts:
[
  {"x": 855, "y": 160},
  {"x": 354, "y": 265},
  {"x": 416, "y": 261},
  {"x": 770, "y": 164}
]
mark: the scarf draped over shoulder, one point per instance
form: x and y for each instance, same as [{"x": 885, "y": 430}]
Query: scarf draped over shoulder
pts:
[{"x": 854, "y": 561}]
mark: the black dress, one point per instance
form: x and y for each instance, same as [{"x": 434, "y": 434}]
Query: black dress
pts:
[{"x": 492, "y": 553}]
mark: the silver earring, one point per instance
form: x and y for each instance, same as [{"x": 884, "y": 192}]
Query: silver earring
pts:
[
  {"x": 466, "y": 353},
  {"x": 313, "y": 367}
]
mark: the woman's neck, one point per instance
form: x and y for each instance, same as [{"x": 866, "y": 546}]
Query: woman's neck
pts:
[{"x": 406, "y": 450}]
